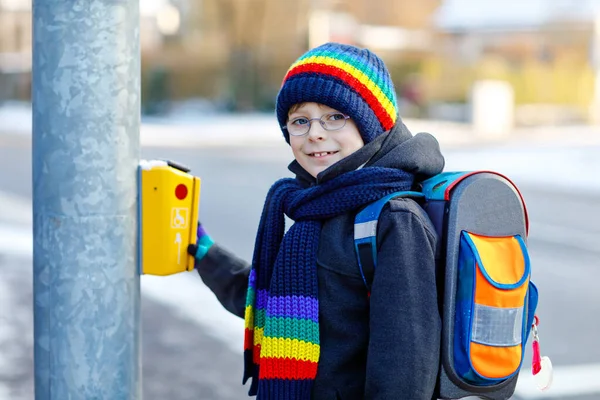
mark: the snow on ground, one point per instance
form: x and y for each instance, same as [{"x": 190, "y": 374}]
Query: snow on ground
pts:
[{"x": 562, "y": 156}]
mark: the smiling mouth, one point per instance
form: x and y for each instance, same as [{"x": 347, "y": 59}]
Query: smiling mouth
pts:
[{"x": 322, "y": 154}]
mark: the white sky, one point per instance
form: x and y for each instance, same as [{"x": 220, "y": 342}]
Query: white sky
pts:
[
  {"x": 491, "y": 13},
  {"x": 151, "y": 7}
]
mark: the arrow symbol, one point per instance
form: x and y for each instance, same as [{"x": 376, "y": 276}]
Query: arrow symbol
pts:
[{"x": 178, "y": 243}]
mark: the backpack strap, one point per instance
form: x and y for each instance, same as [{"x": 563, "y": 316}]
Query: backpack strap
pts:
[{"x": 365, "y": 233}]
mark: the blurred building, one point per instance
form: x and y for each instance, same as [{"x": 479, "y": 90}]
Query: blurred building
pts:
[{"x": 547, "y": 50}]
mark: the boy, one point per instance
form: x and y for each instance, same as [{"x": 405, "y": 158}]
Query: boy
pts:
[{"x": 315, "y": 329}]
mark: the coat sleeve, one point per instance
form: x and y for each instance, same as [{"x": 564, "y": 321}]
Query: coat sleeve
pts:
[
  {"x": 227, "y": 277},
  {"x": 405, "y": 324}
]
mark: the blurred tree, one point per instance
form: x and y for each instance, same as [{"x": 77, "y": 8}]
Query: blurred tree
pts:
[
  {"x": 410, "y": 14},
  {"x": 237, "y": 51},
  {"x": 243, "y": 22},
  {"x": 156, "y": 93}
]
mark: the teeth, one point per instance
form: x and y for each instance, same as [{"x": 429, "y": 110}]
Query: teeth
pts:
[{"x": 322, "y": 154}]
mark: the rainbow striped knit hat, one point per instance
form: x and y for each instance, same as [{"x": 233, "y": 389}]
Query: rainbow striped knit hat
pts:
[{"x": 351, "y": 80}]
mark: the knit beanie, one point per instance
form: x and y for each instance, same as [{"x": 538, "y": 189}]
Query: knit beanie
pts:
[{"x": 351, "y": 80}]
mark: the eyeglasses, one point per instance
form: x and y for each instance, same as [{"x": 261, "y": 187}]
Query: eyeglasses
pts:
[{"x": 330, "y": 122}]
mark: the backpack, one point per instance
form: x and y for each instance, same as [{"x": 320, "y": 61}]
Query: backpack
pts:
[{"x": 487, "y": 299}]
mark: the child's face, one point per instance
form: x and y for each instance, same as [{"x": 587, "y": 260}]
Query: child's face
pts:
[{"x": 319, "y": 149}]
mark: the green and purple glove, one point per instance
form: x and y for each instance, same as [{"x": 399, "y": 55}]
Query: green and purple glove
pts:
[{"x": 202, "y": 245}]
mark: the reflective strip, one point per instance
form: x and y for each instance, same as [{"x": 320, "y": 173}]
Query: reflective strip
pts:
[
  {"x": 494, "y": 326},
  {"x": 365, "y": 229}
]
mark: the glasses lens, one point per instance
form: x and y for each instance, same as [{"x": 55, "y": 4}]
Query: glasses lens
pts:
[
  {"x": 334, "y": 121},
  {"x": 298, "y": 126}
]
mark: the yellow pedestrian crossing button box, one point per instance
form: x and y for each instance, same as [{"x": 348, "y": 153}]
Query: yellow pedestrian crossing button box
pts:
[{"x": 169, "y": 199}]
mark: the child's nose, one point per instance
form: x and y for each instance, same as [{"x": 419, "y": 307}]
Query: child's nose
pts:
[{"x": 317, "y": 132}]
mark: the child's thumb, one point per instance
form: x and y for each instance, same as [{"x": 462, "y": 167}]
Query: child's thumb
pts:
[{"x": 192, "y": 249}]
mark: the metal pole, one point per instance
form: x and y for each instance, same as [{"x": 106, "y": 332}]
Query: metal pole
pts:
[{"x": 86, "y": 116}]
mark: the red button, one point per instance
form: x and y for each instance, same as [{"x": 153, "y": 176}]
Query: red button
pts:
[{"x": 181, "y": 191}]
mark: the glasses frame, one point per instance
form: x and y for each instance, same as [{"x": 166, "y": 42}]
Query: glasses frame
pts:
[{"x": 321, "y": 122}]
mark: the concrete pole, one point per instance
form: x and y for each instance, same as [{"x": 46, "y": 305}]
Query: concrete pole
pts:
[{"x": 86, "y": 116}]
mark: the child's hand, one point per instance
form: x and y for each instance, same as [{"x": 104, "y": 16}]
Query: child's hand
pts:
[{"x": 204, "y": 243}]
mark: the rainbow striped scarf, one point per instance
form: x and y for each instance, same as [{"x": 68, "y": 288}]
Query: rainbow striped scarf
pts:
[{"x": 281, "y": 348}]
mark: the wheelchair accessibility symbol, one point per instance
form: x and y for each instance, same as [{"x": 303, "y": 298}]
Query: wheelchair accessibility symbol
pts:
[{"x": 179, "y": 218}]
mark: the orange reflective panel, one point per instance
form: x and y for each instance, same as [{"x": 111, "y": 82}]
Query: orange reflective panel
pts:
[
  {"x": 495, "y": 362},
  {"x": 502, "y": 258},
  {"x": 488, "y": 295}
]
